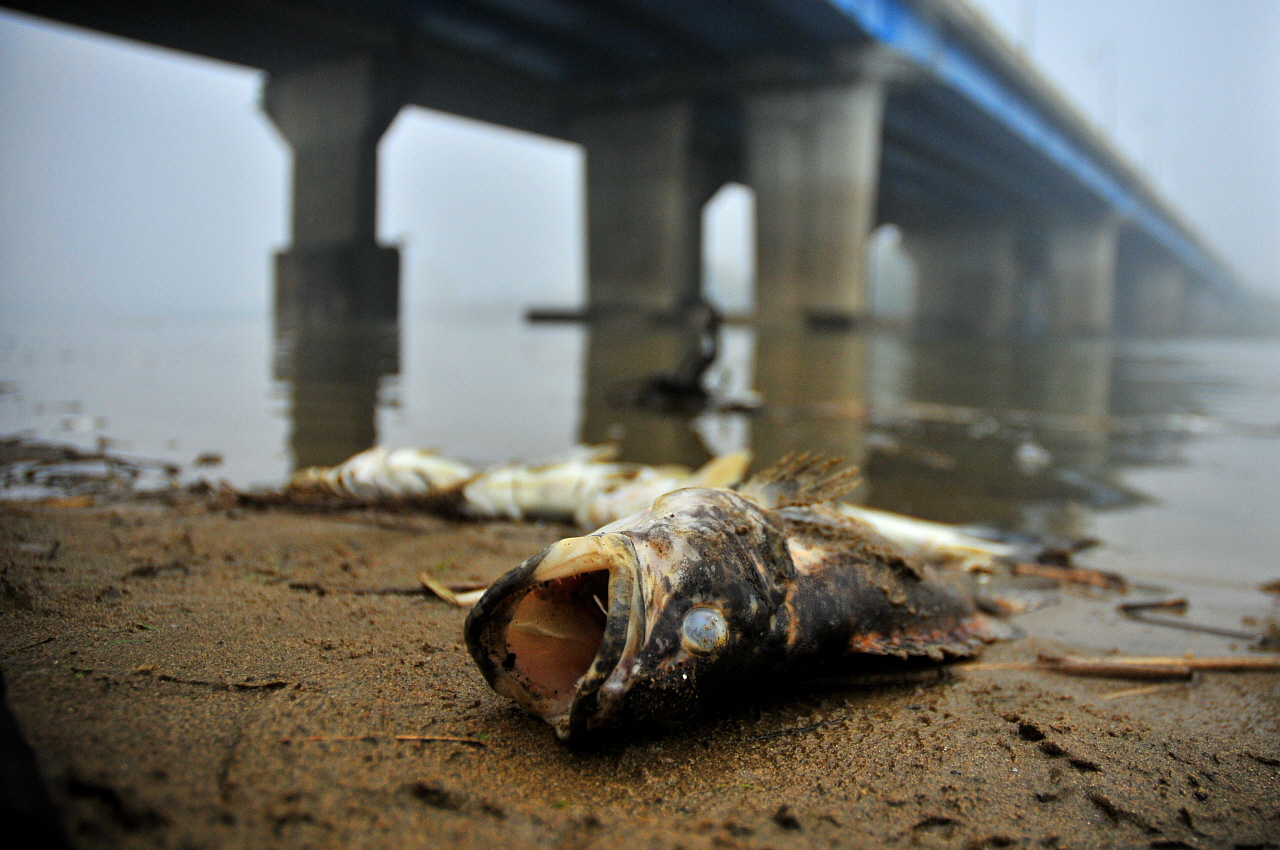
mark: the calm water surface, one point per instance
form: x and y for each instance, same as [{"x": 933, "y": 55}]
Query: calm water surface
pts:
[{"x": 1168, "y": 452}]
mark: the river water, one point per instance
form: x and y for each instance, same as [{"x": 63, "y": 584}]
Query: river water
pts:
[{"x": 1167, "y": 452}]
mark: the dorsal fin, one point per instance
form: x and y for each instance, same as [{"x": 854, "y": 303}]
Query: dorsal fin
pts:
[{"x": 802, "y": 479}]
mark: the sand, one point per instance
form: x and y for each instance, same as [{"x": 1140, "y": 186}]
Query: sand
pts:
[{"x": 192, "y": 676}]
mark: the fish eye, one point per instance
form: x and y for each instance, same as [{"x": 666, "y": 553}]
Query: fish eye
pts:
[{"x": 704, "y": 630}]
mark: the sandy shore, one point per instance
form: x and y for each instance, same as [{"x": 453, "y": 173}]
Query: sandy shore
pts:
[{"x": 191, "y": 677}]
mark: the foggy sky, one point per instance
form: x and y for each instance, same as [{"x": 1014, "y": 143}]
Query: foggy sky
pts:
[
  {"x": 1189, "y": 91},
  {"x": 135, "y": 176}
]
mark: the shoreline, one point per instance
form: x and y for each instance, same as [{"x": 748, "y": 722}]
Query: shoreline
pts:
[{"x": 192, "y": 676}]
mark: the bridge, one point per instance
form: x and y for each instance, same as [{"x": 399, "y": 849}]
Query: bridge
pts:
[{"x": 839, "y": 114}]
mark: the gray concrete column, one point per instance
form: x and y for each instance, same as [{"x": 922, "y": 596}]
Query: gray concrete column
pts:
[
  {"x": 647, "y": 181},
  {"x": 813, "y": 158},
  {"x": 967, "y": 277},
  {"x": 332, "y": 114},
  {"x": 1080, "y": 268},
  {"x": 1153, "y": 300}
]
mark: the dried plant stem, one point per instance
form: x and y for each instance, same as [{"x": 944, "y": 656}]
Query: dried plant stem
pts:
[{"x": 1134, "y": 667}]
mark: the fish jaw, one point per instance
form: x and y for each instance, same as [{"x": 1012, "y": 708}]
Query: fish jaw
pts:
[
  {"x": 706, "y": 554},
  {"x": 636, "y": 662},
  {"x": 549, "y": 633}
]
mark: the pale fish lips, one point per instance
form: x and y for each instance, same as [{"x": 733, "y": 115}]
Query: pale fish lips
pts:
[{"x": 550, "y": 632}]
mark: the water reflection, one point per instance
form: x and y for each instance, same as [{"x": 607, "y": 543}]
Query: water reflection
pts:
[
  {"x": 333, "y": 371},
  {"x": 1022, "y": 435},
  {"x": 801, "y": 376},
  {"x": 1011, "y": 432},
  {"x": 1043, "y": 437},
  {"x": 622, "y": 359}
]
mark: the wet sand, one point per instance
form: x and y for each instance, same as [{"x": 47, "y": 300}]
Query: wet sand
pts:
[{"x": 196, "y": 677}]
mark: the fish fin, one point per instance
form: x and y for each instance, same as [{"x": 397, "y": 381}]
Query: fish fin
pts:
[
  {"x": 963, "y": 640},
  {"x": 723, "y": 471},
  {"x": 799, "y": 480}
]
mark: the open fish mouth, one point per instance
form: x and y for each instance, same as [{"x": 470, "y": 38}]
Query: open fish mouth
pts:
[{"x": 550, "y": 633}]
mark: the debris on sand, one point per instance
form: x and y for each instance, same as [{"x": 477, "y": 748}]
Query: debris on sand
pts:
[
  {"x": 34, "y": 469},
  {"x": 1154, "y": 667}
]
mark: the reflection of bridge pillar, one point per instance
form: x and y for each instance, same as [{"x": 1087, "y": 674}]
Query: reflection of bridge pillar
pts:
[
  {"x": 815, "y": 385},
  {"x": 332, "y": 115},
  {"x": 621, "y": 354},
  {"x": 813, "y": 158},
  {"x": 333, "y": 371},
  {"x": 1080, "y": 268},
  {"x": 967, "y": 277}
]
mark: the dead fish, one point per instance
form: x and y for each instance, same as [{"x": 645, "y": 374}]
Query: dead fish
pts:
[
  {"x": 379, "y": 473},
  {"x": 587, "y": 486},
  {"x": 705, "y": 591},
  {"x": 935, "y": 542},
  {"x": 604, "y": 508}
]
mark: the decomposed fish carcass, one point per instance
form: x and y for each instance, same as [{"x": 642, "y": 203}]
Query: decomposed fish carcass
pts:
[{"x": 704, "y": 592}]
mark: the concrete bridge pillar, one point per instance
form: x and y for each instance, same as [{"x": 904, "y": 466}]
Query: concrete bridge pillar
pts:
[
  {"x": 813, "y": 158},
  {"x": 1152, "y": 298},
  {"x": 332, "y": 114},
  {"x": 1080, "y": 276},
  {"x": 1008, "y": 278},
  {"x": 650, "y": 169},
  {"x": 968, "y": 277}
]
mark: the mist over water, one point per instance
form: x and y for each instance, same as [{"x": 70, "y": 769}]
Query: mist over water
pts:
[{"x": 1168, "y": 451}]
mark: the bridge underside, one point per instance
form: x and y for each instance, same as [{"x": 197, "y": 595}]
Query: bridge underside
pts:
[{"x": 834, "y": 133}]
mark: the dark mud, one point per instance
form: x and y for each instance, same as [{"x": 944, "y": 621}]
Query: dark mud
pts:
[{"x": 196, "y": 678}]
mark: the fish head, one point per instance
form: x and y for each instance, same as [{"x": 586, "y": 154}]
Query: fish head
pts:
[{"x": 640, "y": 621}]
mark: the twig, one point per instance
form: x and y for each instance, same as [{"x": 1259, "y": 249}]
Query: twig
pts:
[
  {"x": 1137, "y": 692},
  {"x": 796, "y": 730},
  {"x": 1072, "y": 575},
  {"x": 375, "y": 738},
  {"x": 1152, "y": 667},
  {"x": 1133, "y": 667},
  {"x": 33, "y": 645},
  {"x": 1259, "y": 641},
  {"x": 474, "y": 742},
  {"x": 464, "y": 599},
  {"x": 1179, "y": 605}
]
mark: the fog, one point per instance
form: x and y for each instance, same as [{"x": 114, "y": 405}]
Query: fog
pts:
[{"x": 1189, "y": 92}]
